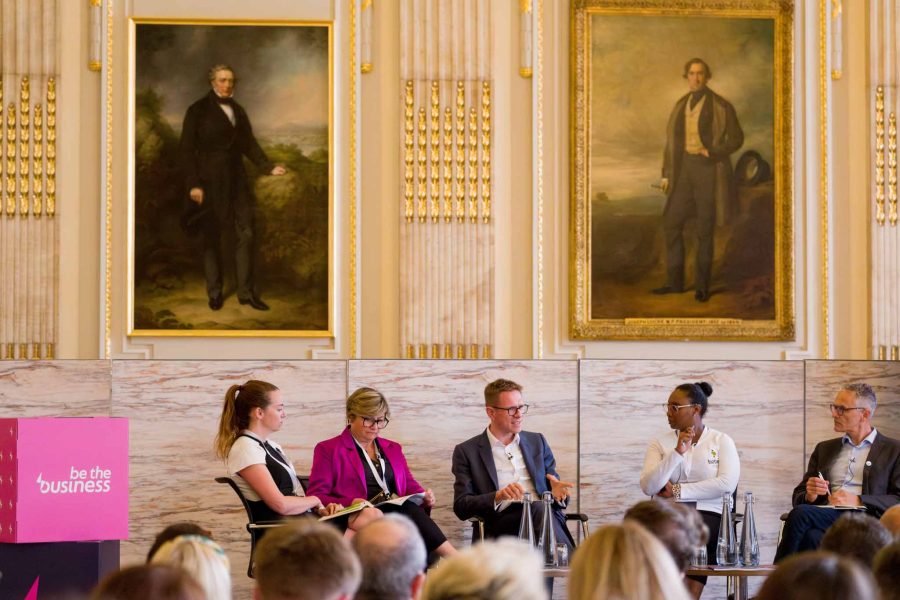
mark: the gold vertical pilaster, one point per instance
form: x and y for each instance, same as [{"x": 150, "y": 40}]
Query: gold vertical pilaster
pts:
[
  {"x": 24, "y": 141},
  {"x": 460, "y": 151},
  {"x": 460, "y": 351},
  {"x": 486, "y": 351},
  {"x": 473, "y": 165},
  {"x": 50, "y": 352},
  {"x": 435, "y": 208},
  {"x": 37, "y": 188},
  {"x": 448, "y": 351},
  {"x": 448, "y": 161},
  {"x": 422, "y": 174},
  {"x": 895, "y": 352},
  {"x": 410, "y": 351},
  {"x": 435, "y": 351},
  {"x": 882, "y": 353},
  {"x": 408, "y": 152},
  {"x": 486, "y": 151},
  {"x": 51, "y": 147},
  {"x": 473, "y": 351},
  {"x": 892, "y": 169},
  {"x": 23, "y": 351},
  {"x": 36, "y": 351},
  {"x": 10, "y": 351},
  {"x": 11, "y": 160},
  {"x": 879, "y": 155},
  {"x": 423, "y": 351}
]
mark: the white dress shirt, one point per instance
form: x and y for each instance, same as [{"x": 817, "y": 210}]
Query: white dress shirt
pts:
[
  {"x": 510, "y": 466},
  {"x": 707, "y": 469}
]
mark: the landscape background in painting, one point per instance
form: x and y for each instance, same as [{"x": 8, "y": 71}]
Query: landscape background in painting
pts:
[
  {"x": 284, "y": 85},
  {"x": 637, "y": 63}
]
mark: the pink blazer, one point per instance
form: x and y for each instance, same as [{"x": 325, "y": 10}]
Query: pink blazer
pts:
[{"x": 338, "y": 473}]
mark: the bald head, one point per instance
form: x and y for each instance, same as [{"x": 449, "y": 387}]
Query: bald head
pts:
[
  {"x": 891, "y": 520},
  {"x": 393, "y": 559}
]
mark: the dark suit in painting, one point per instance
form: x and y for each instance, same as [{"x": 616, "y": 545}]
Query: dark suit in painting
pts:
[
  {"x": 476, "y": 483},
  {"x": 212, "y": 151}
]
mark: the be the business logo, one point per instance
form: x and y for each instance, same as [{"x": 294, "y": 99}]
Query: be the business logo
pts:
[{"x": 95, "y": 480}]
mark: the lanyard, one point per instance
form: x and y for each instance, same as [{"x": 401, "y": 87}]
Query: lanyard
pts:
[{"x": 380, "y": 479}]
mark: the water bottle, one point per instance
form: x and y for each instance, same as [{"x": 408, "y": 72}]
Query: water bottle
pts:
[
  {"x": 547, "y": 544},
  {"x": 526, "y": 525},
  {"x": 726, "y": 548},
  {"x": 749, "y": 541}
]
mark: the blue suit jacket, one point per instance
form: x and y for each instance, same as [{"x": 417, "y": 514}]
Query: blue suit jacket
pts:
[{"x": 476, "y": 479}]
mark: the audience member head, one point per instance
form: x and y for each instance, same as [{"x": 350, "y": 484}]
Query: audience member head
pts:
[
  {"x": 393, "y": 559},
  {"x": 698, "y": 393},
  {"x": 367, "y": 402},
  {"x": 493, "y": 390},
  {"x": 305, "y": 560},
  {"x": 239, "y": 401},
  {"x": 856, "y": 535},
  {"x": 891, "y": 520},
  {"x": 173, "y": 531},
  {"x": 680, "y": 529},
  {"x": 625, "y": 562},
  {"x": 818, "y": 576},
  {"x": 503, "y": 569},
  {"x": 149, "y": 582},
  {"x": 203, "y": 559},
  {"x": 886, "y": 569}
]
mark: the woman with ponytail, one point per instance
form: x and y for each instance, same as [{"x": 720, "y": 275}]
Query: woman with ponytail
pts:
[
  {"x": 692, "y": 463},
  {"x": 251, "y": 413}
]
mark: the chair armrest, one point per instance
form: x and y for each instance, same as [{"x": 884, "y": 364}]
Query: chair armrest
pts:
[
  {"x": 577, "y": 517},
  {"x": 265, "y": 524}
]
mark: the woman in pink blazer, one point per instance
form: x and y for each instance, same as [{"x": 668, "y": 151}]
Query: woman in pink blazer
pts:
[{"x": 358, "y": 464}]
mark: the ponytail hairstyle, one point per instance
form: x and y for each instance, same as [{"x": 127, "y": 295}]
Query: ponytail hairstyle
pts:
[
  {"x": 698, "y": 393},
  {"x": 239, "y": 401}
]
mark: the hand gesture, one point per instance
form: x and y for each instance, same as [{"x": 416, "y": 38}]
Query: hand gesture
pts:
[
  {"x": 197, "y": 195},
  {"x": 685, "y": 439},
  {"x": 512, "y": 492},
  {"x": 815, "y": 487},
  {"x": 559, "y": 489},
  {"x": 329, "y": 509},
  {"x": 844, "y": 498},
  {"x": 428, "y": 501}
]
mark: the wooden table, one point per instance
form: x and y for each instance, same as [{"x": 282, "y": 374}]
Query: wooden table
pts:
[{"x": 737, "y": 576}]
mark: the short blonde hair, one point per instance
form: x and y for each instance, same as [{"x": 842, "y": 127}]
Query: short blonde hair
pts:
[
  {"x": 625, "y": 562},
  {"x": 204, "y": 559},
  {"x": 504, "y": 569},
  {"x": 367, "y": 402}
]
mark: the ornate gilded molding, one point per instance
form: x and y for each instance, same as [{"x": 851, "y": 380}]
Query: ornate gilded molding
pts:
[
  {"x": 95, "y": 40},
  {"x": 51, "y": 147},
  {"x": 473, "y": 165},
  {"x": 422, "y": 192},
  {"x": 365, "y": 36},
  {"x": 892, "y": 170},
  {"x": 526, "y": 23},
  {"x": 435, "y": 138},
  {"x": 354, "y": 292},
  {"x": 448, "y": 162},
  {"x": 823, "y": 175},
  {"x": 486, "y": 151},
  {"x": 408, "y": 152},
  {"x": 879, "y": 155},
  {"x": 37, "y": 187},
  {"x": 11, "y": 176},
  {"x": 460, "y": 151},
  {"x": 837, "y": 41},
  {"x": 24, "y": 145}
]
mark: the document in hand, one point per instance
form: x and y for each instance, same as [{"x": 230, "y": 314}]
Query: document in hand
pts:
[
  {"x": 414, "y": 498},
  {"x": 353, "y": 508}
]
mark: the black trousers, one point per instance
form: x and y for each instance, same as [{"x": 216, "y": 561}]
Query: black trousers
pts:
[
  {"x": 214, "y": 230},
  {"x": 804, "y": 528},
  {"x": 428, "y": 529},
  {"x": 694, "y": 195}
]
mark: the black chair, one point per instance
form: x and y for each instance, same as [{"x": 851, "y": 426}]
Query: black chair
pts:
[{"x": 255, "y": 528}]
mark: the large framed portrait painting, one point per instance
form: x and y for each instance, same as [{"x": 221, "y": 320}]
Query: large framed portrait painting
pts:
[
  {"x": 681, "y": 177},
  {"x": 230, "y": 173}
]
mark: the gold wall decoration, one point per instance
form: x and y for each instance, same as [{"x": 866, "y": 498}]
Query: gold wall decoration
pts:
[
  {"x": 473, "y": 165},
  {"x": 448, "y": 162},
  {"x": 408, "y": 152},
  {"x": 51, "y": 147},
  {"x": 892, "y": 169},
  {"x": 435, "y": 132},
  {"x": 879, "y": 155},
  {"x": 24, "y": 144},
  {"x": 37, "y": 188},
  {"x": 460, "y": 151},
  {"x": 422, "y": 158},
  {"x": 486, "y": 151},
  {"x": 11, "y": 160}
]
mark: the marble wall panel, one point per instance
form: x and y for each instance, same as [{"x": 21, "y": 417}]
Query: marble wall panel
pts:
[
  {"x": 438, "y": 404},
  {"x": 57, "y": 388},
  {"x": 823, "y": 380},
  {"x": 174, "y": 408},
  {"x": 759, "y": 404}
]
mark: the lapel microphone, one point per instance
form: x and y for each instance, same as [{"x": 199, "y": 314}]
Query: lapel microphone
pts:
[{"x": 509, "y": 455}]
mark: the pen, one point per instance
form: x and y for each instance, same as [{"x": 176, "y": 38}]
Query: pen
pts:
[{"x": 829, "y": 487}]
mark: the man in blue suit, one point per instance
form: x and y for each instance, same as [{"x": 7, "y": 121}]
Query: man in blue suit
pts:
[{"x": 495, "y": 468}]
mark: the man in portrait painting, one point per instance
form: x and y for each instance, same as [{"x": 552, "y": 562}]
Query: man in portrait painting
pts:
[
  {"x": 215, "y": 137},
  {"x": 697, "y": 177}
]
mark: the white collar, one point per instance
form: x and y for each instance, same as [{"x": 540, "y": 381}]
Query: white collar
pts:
[{"x": 496, "y": 442}]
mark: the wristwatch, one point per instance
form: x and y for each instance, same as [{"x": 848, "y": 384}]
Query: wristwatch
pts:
[{"x": 676, "y": 491}]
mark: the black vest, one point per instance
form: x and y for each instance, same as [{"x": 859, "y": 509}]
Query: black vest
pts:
[{"x": 282, "y": 479}]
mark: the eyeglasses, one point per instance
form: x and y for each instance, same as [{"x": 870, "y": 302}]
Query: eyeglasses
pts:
[
  {"x": 379, "y": 423},
  {"x": 674, "y": 408},
  {"x": 840, "y": 410},
  {"x": 512, "y": 410}
]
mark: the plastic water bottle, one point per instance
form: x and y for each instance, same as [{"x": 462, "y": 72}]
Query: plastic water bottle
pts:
[
  {"x": 526, "y": 525},
  {"x": 726, "y": 548},
  {"x": 749, "y": 542},
  {"x": 547, "y": 544}
]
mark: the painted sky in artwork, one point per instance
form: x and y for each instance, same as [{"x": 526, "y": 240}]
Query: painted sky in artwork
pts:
[{"x": 637, "y": 64}]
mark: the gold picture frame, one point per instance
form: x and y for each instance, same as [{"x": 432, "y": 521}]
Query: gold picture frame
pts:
[
  {"x": 636, "y": 237},
  {"x": 264, "y": 53}
]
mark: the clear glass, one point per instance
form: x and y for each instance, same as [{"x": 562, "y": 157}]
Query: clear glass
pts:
[
  {"x": 700, "y": 558},
  {"x": 562, "y": 554},
  {"x": 526, "y": 525},
  {"x": 547, "y": 544},
  {"x": 749, "y": 554},
  {"x": 726, "y": 548}
]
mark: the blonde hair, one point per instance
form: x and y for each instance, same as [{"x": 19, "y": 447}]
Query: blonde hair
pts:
[
  {"x": 504, "y": 569},
  {"x": 203, "y": 559},
  {"x": 239, "y": 401},
  {"x": 625, "y": 562},
  {"x": 367, "y": 402}
]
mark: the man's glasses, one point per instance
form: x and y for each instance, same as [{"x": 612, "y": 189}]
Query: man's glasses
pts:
[
  {"x": 379, "y": 423},
  {"x": 512, "y": 410},
  {"x": 840, "y": 410},
  {"x": 674, "y": 408}
]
